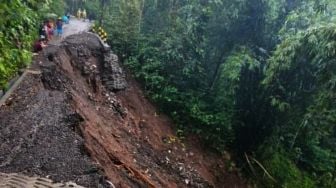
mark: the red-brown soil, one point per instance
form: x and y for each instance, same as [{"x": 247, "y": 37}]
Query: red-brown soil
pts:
[{"x": 123, "y": 133}]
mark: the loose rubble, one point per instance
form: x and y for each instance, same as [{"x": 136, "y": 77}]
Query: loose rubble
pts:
[{"x": 83, "y": 120}]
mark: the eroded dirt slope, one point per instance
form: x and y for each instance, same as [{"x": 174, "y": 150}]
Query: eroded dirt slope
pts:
[{"x": 83, "y": 105}]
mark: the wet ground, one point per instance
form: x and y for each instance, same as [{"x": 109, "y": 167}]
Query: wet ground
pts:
[
  {"x": 71, "y": 121},
  {"x": 75, "y": 26}
]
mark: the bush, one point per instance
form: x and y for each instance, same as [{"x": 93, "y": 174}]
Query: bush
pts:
[{"x": 283, "y": 171}]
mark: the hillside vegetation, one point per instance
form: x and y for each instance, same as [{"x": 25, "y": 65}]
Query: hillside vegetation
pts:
[
  {"x": 19, "y": 24},
  {"x": 255, "y": 77}
]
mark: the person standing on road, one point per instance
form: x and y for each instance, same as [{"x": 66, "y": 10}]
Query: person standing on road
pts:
[
  {"x": 65, "y": 19},
  {"x": 46, "y": 30},
  {"x": 42, "y": 31},
  {"x": 79, "y": 13},
  {"x": 59, "y": 27},
  {"x": 51, "y": 29},
  {"x": 84, "y": 15}
]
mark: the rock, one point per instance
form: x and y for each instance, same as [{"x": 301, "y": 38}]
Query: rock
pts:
[
  {"x": 180, "y": 168},
  {"x": 167, "y": 160},
  {"x": 73, "y": 51},
  {"x": 88, "y": 39},
  {"x": 87, "y": 45},
  {"x": 52, "y": 78},
  {"x": 110, "y": 183},
  {"x": 51, "y": 50},
  {"x": 113, "y": 76}
]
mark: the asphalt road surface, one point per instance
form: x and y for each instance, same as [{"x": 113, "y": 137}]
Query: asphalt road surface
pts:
[{"x": 75, "y": 26}]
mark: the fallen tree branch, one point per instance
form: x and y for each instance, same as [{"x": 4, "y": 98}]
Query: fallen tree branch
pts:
[{"x": 264, "y": 169}]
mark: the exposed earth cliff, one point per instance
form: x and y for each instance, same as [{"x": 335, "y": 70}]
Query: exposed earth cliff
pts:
[{"x": 78, "y": 117}]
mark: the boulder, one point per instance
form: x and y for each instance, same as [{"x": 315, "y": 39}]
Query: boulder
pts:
[
  {"x": 85, "y": 47},
  {"x": 113, "y": 76}
]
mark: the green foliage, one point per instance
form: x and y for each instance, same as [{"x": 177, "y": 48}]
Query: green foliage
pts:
[
  {"x": 18, "y": 30},
  {"x": 226, "y": 104},
  {"x": 54, "y": 6},
  {"x": 127, "y": 32},
  {"x": 308, "y": 14},
  {"x": 210, "y": 65},
  {"x": 283, "y": 171},
  {"x": 301, "y": 75},
  {"x": 229, "y": 79}
]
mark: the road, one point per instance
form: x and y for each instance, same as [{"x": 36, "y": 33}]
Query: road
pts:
[
  {"x": 75, "y": 26},
  {"x": 63, "y": 123}
]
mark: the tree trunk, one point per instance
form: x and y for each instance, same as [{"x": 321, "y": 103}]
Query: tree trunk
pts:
[
  {"x": 216, "y": 73},
  {"x": 140, "y": 20},
  {"x": 103, "y": 6}
]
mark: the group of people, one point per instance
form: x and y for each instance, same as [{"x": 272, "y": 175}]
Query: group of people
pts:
[
  {"x": 81, "y": 14},
  {"x": 50, "y": 28},
  {"x": 47, "y": 30}
]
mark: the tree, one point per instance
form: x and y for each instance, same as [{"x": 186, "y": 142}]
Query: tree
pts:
[
  {"x": 17, "y": 33},
  {"x": 18, "y": 30},
  {"x": 256, "y": 77},
  {"x": 301, "y": 76}
]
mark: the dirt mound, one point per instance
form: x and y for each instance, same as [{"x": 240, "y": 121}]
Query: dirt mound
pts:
[{"x": 81, "y": 104}]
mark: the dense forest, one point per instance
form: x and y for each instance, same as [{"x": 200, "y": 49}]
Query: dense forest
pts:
[{"x": 253, "y": 77}]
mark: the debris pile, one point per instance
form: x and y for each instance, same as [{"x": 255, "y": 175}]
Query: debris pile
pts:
[{"x": 83, "y": 120}]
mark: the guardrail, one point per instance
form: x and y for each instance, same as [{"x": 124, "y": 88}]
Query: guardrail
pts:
[{"x": 13, "y": 84}]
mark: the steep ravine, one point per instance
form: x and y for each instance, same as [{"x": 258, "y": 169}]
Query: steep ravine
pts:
[{"x": 83, "y": 120}]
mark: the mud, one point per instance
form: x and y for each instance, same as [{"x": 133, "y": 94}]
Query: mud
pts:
[
  {"x": 37, "y": 137},
  {"x": 83, "y": 120}
]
